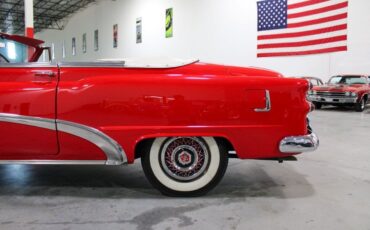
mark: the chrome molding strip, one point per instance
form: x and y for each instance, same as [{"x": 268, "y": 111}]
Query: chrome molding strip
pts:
[
  {"x": 102, "y": 64},
  {"x": 30, "y": 121},
  {"x": 51, "y": 162},
  {"x": 268, "y": 103},
  {"x": 29, "y": 65},
  {"x": 113, "y": 151}
]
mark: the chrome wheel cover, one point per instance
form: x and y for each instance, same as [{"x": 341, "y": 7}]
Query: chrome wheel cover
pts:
[{"x": 184, "y": 158}]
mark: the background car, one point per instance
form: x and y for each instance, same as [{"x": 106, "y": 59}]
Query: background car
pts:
[
  {"x": 343, "y": 90},
  {"x": 315, "y": 81}
]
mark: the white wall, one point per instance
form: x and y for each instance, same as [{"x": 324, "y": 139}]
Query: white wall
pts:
[{"x": 217, "y": 31}]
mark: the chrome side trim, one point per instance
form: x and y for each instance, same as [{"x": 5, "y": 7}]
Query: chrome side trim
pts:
[
  {"x": 29, "y": 65},
  {"x": 102, "y": 64},
  {"x": 113, "y": 151},
  {"x": 30, "y": 121},
  {"x": 268, "y": 104},
  {"x": 299, "y": 144},
  {"x": 51, "y": 162}
]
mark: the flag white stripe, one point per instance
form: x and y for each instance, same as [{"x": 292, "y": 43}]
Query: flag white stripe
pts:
[
  {"x": 304, "y": 48},
  {"x": 305, "y": 28},
  {"x": 303, "y": 39},
  {"x": 295, "y": 1},
  {"x": 317, "y": 16},
  {"x": 315, "y": 6}
]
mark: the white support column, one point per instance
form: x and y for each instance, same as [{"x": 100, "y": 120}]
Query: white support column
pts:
[
  {"x": 28, "y": 17},
  {"x": 28, "y": 21}
]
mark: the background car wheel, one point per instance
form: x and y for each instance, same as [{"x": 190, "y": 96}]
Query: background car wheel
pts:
[
  {"x": 317, "y": 105},
  {"x": 185, "y": 166},
  {"x": 360, "y": 106}
]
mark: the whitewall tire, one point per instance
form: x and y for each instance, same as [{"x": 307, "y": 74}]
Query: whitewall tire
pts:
[{"x": 185, "y": 166}]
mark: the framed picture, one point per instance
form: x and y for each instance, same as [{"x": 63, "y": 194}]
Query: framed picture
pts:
[
  {"x": 74, "y": 46},
  {"x": 64, "y": 49},
  {"x": 52, "y": 51},
  {"x": 96, "y": 40},
  {"x": 84, "y": 45},
  {"x": 139, "y": 35},
  {"x": 115, "y": 35},
  {"x": 169, "y": 23}
]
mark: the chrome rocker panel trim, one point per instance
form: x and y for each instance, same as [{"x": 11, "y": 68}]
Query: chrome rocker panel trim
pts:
[
  {"x": 113, "y": 151},
  {"x": 299, "y": 144}
]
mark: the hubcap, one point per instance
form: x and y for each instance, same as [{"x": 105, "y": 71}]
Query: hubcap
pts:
[{"x": 184, "y": 158}]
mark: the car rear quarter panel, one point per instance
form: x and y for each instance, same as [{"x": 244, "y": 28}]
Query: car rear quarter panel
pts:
[{"x": 131, "y": 105}]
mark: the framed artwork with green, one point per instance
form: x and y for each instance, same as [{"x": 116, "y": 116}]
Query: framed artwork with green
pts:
[{"x": 169, "y": 23}]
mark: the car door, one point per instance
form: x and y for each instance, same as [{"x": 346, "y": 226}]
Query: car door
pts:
[{"x": 27, "y": 110}]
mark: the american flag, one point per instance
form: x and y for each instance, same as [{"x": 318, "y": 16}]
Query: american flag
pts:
[{"x": 301, "y": 27}]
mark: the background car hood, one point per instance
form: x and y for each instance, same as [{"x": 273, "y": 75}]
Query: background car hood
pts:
[{"x": 338, "y": 88}]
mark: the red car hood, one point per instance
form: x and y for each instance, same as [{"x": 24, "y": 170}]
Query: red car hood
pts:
[{"x": 339, "y": 88}]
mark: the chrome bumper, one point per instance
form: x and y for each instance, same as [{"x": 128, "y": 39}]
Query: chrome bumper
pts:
[
  {"x": 334, "y": 100},
  {"x": 299, "y": 144}
]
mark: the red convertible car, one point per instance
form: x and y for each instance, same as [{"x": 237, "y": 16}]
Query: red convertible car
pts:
[
  {"x": 183, "y": 119},
  {"x": 342, "y": 90}
]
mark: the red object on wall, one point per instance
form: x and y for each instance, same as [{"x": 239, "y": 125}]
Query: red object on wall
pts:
[{"x": 30, "y": 34}]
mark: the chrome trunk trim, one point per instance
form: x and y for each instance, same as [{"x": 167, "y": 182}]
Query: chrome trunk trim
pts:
[
  {"x": 113, "y": 151},
  {"x": 268, "y": 103}
]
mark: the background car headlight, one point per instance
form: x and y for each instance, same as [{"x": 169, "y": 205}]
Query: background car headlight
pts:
[
  {"x": 348, "y": 94},
  {"x": 314, "y": 92},
  {"x": 310, "y": 92},
  {"x": 353, "y": 94}
]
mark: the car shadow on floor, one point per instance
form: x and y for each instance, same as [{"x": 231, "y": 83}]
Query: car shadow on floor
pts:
[{"x": 243, "y": 179}]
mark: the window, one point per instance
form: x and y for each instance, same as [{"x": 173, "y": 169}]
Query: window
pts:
[
  {"x": 12, "y": 52},
  {"x": 347, "y": 80}
]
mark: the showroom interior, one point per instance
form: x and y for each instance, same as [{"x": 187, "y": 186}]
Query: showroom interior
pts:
[{"x": 322, "y": 189}]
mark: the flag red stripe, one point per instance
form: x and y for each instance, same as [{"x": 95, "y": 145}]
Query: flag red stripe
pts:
[
  {"x": 303, "y": 33},
  {"x": 318, "y": 21},
  {"x": 305, "y": 43},
  {"x": 319, "y": 10},
  {"x": 305, "y": 3},
  {"x": 327, "y": 50}
]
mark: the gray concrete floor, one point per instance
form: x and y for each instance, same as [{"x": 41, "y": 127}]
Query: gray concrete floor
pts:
[{"x": 327, "y": 189}]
